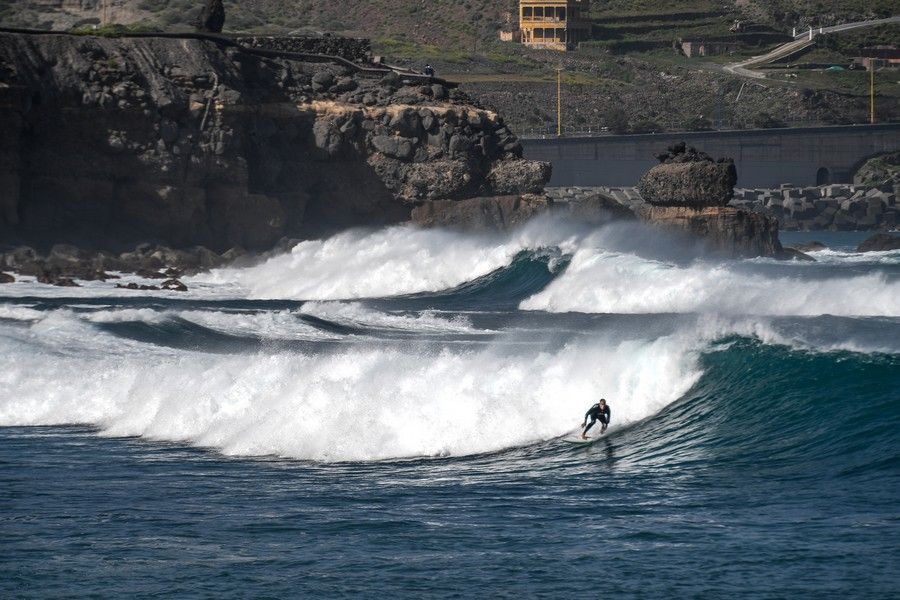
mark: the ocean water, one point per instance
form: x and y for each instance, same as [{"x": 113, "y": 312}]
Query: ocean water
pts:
[{"x": 382, "y": 412}]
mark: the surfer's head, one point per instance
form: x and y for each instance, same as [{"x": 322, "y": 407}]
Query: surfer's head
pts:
[{"x": 602, "y": 401}]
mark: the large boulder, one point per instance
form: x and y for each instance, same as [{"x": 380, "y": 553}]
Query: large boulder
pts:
[
  {"x": 434, "y": 180},
  {"x": 880, "y": 242},
  {"x": 686, "y": 177},
  {"x": 519, "y": 176}
]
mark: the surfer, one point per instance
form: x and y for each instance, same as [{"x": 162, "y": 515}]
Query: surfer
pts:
[{"x": 598, "y": 412}]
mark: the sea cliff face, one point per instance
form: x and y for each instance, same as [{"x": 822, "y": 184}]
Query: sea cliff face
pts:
[{"x": 106, "y": 143}]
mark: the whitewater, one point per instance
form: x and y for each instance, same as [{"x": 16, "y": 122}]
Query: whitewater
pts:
[{"x": 404, "y": 383}]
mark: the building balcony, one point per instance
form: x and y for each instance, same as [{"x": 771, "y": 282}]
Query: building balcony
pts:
[
  {"x": 542, "y": 20},
  {"x": 545, "y": 21}
]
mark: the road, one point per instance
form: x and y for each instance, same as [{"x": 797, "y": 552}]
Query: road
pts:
[{"x": 742, "y": 69}]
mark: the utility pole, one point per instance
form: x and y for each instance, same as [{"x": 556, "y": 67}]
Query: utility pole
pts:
[
  {"x": 872, "y": 90},
  {"x": 559, "y": 101}
]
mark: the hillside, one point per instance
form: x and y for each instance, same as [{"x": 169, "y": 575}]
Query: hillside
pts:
[
  {"x": 627, "y": 79},
  {"x": 457, "y": 24}
]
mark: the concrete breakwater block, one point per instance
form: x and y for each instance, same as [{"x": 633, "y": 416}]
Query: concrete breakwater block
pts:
[{"x": 839, "y": 207}]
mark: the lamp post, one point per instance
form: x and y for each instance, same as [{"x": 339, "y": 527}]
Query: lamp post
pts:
[
  {"x": 559, "y": 101},
  {"x": 872, "y": 90}
]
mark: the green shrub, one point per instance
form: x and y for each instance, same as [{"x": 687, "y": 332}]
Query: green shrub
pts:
[
  {"x": 764, "y": 120},
  {"x": 699, "y": 123},
  {"x": 646, "y": 126},
  {"x": 616, "y": 120}
]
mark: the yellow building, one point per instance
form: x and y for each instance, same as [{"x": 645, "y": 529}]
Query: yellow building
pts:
[{"x": 554, "y": 24}]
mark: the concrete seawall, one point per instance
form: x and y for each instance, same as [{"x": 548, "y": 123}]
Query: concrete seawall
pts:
[
  {"x": 835, "y": 207},
  {"x": 765, "y": 158}
]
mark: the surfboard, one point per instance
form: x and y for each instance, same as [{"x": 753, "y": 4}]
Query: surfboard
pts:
[{"x": 576, "y": 440}]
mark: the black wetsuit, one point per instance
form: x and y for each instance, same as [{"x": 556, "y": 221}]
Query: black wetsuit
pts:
[{"x": 597, "y": 414}]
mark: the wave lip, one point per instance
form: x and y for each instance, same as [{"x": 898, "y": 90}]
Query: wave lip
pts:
[{"x": 603, "y": 281}]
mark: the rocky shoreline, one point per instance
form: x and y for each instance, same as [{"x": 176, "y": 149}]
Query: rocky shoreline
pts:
[{"x": 65, "y": 265}]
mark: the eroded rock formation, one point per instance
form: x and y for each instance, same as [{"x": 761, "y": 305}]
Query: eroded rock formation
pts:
[
  {"x": 498, "y": 213},
  {"x": 687, "y": 177},
  {"x": 880, "y": 242},
  {"x": 727, "y": 231},
  {"x": 688, "y": 191}
]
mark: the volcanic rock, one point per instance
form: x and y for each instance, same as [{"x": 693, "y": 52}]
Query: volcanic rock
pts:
[
  {"x": 808, "y": 247},
  {"x": 686, "y": 177},
  {"x": 880, "y": 242},
  {"x": 135, "y": 286},
  {"x": 173, "y": 284},
  {"x": 6, "y": 278},
  {"x": 225, "y": 148},
  {"x": 595, "y": 209},
  {"x": 732, "y": 232},
  {"x": 497, "y": 213},
  {"x": 519, "y": 176}
]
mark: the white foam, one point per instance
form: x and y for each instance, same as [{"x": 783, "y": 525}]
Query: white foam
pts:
[
  {"x": 14, "y": 312},
  {"x": 603, "y": 281},
  {"x": 355, "y": 404},
  {"x": 829, "y": 256},
  {"x": 124, "y": 315},
  {"x": 387, "y": 262}
]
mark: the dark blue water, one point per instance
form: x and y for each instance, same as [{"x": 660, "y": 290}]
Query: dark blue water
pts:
[{"x": 207, "y": 447}]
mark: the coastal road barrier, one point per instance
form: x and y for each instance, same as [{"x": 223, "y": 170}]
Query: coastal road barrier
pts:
[
  {"x": 764, "y": 158},
  {"x": 836, "y": 207}
]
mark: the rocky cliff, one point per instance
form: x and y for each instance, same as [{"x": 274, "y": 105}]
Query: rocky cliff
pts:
[{"x": 109, "y": 142}]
